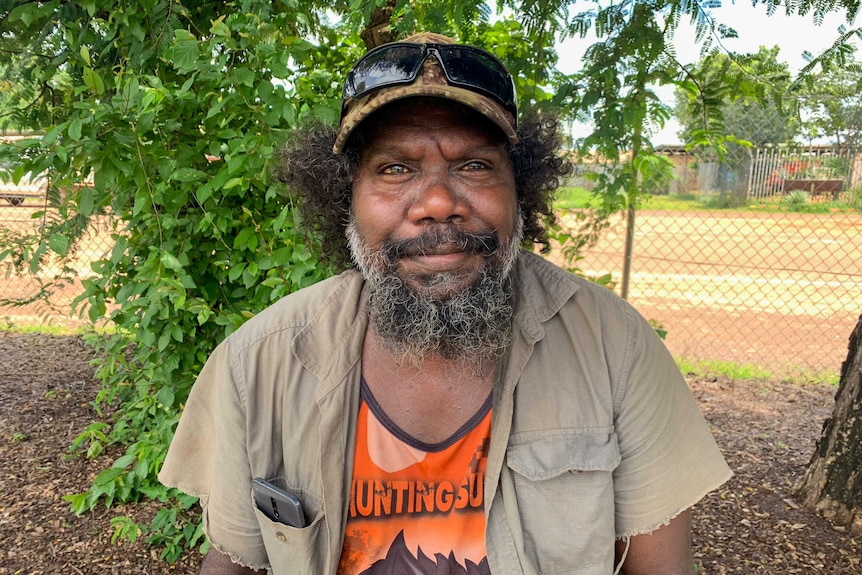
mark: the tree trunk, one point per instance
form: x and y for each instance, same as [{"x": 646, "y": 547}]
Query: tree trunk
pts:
[
  {"x": 832, "y": 484},
  {"x": 379, "y": 30}
]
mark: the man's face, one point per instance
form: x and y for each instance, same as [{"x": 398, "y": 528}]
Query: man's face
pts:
[
  {"x": 435, "y": 220},
  {"x": 427, "y": 172}
]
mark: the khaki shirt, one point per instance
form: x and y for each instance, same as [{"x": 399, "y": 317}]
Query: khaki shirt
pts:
[{"x": 595, "y": 435}]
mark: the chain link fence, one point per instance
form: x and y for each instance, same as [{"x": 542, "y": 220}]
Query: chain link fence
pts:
[
  {"x": 45, "y": 296},
  {"x": 759, "y": 260},
  {"x": 756, "y": 258}
]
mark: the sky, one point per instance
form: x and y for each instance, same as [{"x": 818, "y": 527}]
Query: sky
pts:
[{"x": 792, "y": 34}]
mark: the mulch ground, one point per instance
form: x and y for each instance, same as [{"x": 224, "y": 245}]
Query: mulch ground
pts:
[{"x": 767, "y": 431}]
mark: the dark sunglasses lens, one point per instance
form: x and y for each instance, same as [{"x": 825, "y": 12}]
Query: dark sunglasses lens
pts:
[
  {"x": 474, "y": 68},
  {"x": 391, "y": 65}
]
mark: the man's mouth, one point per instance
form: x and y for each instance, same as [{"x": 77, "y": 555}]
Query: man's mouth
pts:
[
  {"x": 443, "y": 250},
  {"x": 449, "y": 242},
  {"x": 453, "y": 263}
]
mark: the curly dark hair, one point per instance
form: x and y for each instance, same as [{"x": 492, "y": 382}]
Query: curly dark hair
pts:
[{"x": 320, "y": 181}]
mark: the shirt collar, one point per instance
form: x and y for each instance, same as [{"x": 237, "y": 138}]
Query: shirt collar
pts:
[{"x": 541, "y": 290}]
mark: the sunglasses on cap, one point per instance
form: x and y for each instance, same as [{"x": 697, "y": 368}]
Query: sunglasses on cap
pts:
[{"x": 400, "y": 63}]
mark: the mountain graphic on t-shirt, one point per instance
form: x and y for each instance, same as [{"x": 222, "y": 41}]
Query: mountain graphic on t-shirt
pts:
[{"x": 399, "y": 561}]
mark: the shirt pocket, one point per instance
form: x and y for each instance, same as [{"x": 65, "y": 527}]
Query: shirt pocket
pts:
[
  {"x": 565, "y": 497},
  {"x": 292, "y": 550}
]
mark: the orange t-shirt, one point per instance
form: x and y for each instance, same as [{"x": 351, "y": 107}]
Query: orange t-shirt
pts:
[{"x": 416, "y": 504}]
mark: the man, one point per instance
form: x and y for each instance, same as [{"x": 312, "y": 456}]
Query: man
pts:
[{"x": 453, "y": 404}]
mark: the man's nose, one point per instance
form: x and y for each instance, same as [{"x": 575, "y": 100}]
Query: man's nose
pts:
[{"x": 438, "y": 200}]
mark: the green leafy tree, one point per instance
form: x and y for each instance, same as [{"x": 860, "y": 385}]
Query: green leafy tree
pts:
[
  {"x": 615, "y": 90},
  {"x": 831, "y": 106},
  {"x": 26, "y": 95},
  {"x": 167, "y": 132},
  {"x": 749, "y": 93},
  {"x": 749, "y": 98},
  {"x": 831, "y": 100}
]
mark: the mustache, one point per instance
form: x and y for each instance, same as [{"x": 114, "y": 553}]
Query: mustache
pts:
[{"x": 442, "y": 241}]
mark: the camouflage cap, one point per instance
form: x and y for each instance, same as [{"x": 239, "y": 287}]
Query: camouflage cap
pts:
[{"x": 431, "y": 81}]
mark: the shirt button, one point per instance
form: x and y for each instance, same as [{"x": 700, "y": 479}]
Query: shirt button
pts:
[{"x": 280, "y": 536}]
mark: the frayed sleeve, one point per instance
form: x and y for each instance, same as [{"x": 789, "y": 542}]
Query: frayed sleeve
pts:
[
  {"x": 670, "y": 459},
  {"x": 208, "y": 458}
]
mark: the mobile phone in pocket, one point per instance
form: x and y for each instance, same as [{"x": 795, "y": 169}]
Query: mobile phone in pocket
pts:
[{"x": 277, "y": 504}]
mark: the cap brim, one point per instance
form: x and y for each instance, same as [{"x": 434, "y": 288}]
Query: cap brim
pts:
[{"x": 361, "y": 108}]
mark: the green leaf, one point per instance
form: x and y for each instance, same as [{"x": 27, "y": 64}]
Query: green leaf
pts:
[
  {"x": 51, "y": 135},
  {"x": 186, "y": 51},
  {"x": 141, "y": 468},
  {"x": 142, "y": 201},
  {"x": 232, "y": 183},
  {"x": 59, "y": 244},
  {"x": 236, "y": 271},
  {"x": 95, "y": 449},
  {"x": 78, "y": 502},
  {"x": 164, "y": 340},
  {"x": 186, "y": 174},
  {"x": 219, "y": 28},
  {"x": 85, "y": 204},
  {"x": 242, "y": 238},
  {"x": 104, "y": 178},
  {"x": 85, "y": 55},
  {"x": 75, "y": 129},
  {"x": 244, "y": 76},
  {"x": 203, "y": 193},
  {"x": 186, "y": 86},
  {"x": 93, "y": 81},
  {"x": 36, "y": 260},
  {"x": 171, "y": 262},
  {"x": 215, "y": 109},
  {"x": 107, "y": 476},
  {"x": 24, "y": 13},
  {"x": 236, "y": 163},
  {"x": 148, "y": 99},
  {"x": 124, "y": 461},
  {"x": 166, "y": 394}
]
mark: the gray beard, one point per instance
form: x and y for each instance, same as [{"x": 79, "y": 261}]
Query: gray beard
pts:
[{"x": 470, "y": 327}]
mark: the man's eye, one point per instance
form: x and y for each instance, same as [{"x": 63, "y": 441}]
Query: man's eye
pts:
[
  {"x": 475, "y": 165},
  {"x": 394, "y": 169}
]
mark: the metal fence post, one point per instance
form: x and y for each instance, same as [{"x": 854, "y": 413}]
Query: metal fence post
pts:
[{"x": 627, "y": 254}]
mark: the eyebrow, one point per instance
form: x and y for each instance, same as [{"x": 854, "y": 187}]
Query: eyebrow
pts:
[{"x": 386, "y": 149}]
